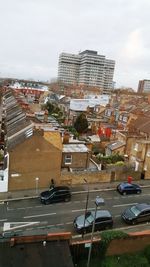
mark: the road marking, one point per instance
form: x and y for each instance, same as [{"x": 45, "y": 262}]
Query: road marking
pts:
[
  {"x": 60, "y": 224},
  {"x": 16, "y": 225},
  {"x": 117, "y": 216},
  {"x": 40, "y": 215},
  {"x": 78, "y": 210},
  {"x": 69, "y": 222},
  {"x": 123, "y": 205},
  {"x": 3, "y": 220},
  {"x": 1, "y": 203},
  {"x": 83, "y": 209},
  {"x": 21, "y": 208},
  {"x": 8, "y": 209}
]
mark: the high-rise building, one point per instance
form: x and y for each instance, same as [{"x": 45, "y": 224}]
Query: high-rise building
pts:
[
  {"x": 86, "y": 68},
  {"x": 144, "y": 86}
]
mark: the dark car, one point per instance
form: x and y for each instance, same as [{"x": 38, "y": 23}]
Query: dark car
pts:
[
  {"x": 136, "y": 214},
  {"x": 126, "y": 188},
  {"x": 56, "y": 194},
  {"x": 84, "y": 223}
]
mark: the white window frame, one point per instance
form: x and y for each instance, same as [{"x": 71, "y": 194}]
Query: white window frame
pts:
[{"x": 68, "y": 159}]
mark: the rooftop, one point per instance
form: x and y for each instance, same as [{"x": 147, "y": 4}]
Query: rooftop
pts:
[
  {"x": 75, "y": 148},
  {"x": 37, "y": 254}
]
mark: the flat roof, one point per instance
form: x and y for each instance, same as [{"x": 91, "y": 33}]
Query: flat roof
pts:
[{"x": 53, "y": 254}]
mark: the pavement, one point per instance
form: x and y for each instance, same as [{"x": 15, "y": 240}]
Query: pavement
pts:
[{"x": 76, "y": 189}]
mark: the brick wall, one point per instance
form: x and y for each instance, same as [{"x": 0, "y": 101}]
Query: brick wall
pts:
[
  {"x": 34, "y": 158},
  {"x": 128, "y": 245}
]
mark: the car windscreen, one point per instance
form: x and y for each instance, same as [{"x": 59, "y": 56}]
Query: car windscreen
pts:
[
  {"x": 90, "y": 218},
  {"x": 135, "y": 210}
]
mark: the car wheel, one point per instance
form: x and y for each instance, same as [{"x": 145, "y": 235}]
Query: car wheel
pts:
[
  {"x": 46, "y": 202},
  {"x": 124, "y": 193},
  {"x": 138, "y": 192},
  {"x": 67, "y": 199},
  {"x": 134, "y": 222},
  {"x": 84, "y": 231}
]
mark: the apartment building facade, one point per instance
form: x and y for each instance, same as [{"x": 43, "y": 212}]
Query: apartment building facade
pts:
[
  {"x": 144, "y": 86},
  {"x": 87, "y": 68}
]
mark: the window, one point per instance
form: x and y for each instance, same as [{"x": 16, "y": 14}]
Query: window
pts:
[
  {"x": 1, "y": 178},
  {"x": 136, "y": 147},
  {"x": 68, "y": 159}
]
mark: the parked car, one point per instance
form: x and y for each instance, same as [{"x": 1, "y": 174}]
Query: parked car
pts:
[
  {"x": 127, "y": 188},
  {"x": 137, "y": 213},
  {"x": 56, "y": 194},
  {"x": 84, "y": 223}
]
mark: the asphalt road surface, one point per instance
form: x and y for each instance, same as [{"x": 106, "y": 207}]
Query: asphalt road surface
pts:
[{"x": 29, "y": 215}]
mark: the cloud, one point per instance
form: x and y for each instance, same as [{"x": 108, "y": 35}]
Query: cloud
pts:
[
  {"x": 35, "y": 32},
  {"x": 134, "y": 46}
]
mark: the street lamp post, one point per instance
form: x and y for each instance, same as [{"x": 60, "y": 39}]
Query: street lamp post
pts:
[
  {"x": 98, "y": 202},
  {"x": 36, "y": 185},
  {"x": 86, "y": 206}
]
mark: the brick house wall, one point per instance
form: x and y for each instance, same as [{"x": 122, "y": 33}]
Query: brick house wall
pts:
[
  {"x": 79, "y": 160},
  {"x": 35, "y": 157}
]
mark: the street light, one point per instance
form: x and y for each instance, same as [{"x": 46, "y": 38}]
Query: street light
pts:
[
  {"x": 86, "y": 206},
  {"x": 36, "y": 184},
  {"x": 98, "y": 202}
]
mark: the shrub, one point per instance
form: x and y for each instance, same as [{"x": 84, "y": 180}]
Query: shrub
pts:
[
  {"x": 147, "y": 253},
  {"x": 126, "y": 260}
]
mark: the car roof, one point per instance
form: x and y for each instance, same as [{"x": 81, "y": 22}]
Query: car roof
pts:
[
  {"x": 124, "y": 184},
  {"x": 61, "y": 188},
  {"x": 143, "y": 206},
  {"x": 101, "y": 213}
]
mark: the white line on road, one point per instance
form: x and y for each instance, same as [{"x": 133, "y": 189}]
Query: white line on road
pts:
[
  {"x": 83, "y": 209},
  {"x": 123, "y": 205},
  {"x": 117, "y": 216},
  {"x": 78, "y": 210},
  {"x": 60, "y": 224},
  {"x": 8, "y": 209},
  {"x": 40, "y": 215},
  {"x": 68, "y": 222},
  {"x": 3, "y": 220}
]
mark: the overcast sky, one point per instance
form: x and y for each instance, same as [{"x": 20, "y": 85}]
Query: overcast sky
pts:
[{"x": 34, "y": 32}]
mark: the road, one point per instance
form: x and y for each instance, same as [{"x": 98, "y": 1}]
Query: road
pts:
[{"x": 59, "y": 217}]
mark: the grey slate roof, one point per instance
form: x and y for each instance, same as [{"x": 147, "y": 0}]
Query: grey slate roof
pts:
[
  {"x": 18, "y": 127},
  {"x": 116, "y": 145}
]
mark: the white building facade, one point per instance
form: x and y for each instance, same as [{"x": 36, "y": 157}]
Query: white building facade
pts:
[{"x": 87, "y": 68}]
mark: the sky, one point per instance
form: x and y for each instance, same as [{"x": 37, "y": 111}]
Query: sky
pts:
[{"x": 34, "y": 32}]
